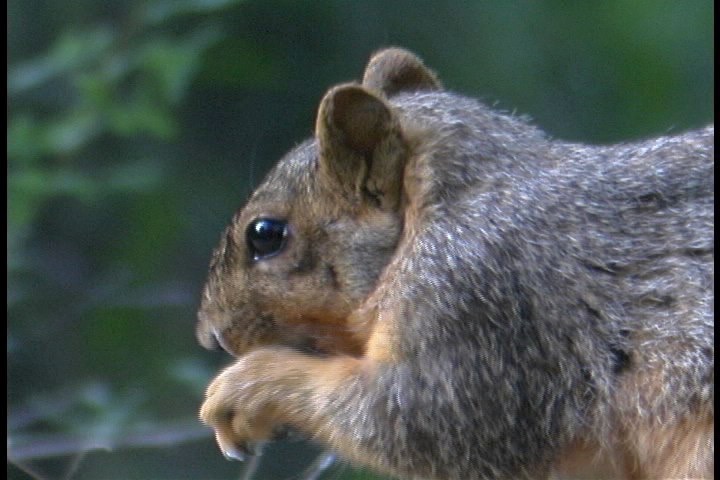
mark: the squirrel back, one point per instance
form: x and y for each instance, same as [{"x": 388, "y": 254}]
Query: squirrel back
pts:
[{"x": 469, "y": 298}]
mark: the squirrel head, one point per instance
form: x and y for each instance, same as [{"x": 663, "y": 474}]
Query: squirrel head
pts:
[{"x": 312, "y": 241}]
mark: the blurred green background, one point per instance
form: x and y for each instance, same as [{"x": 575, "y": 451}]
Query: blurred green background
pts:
[{"x": 136, "y": 128}]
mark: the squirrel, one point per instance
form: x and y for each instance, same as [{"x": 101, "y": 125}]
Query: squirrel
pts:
[{"x": 437, "y": 290}]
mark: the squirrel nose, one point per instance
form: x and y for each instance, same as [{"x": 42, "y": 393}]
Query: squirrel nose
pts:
[{"x": 219, "y": 341}]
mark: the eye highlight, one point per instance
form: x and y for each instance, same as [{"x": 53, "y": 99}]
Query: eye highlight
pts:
[{"x": 266, "y": 237}]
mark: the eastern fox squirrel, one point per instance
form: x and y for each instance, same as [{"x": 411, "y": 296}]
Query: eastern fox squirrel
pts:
[{"x": 437, "y": 290}]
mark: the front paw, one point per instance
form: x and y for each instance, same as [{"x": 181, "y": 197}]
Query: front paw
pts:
[{"x": 239, "y": 408}]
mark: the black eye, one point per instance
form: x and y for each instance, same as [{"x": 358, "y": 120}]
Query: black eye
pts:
[{"x": 266, "y": 237}]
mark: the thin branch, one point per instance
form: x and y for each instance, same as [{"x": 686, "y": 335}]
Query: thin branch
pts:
[
  {"x": 30, "y": 471},
  {"x": 251, "y": 467},
  {"x": 74, "y": 465},
  {"x": 63, "y": 445},
  {"x": 23, "y": 417},
  {"x": 324, "y": 461}
]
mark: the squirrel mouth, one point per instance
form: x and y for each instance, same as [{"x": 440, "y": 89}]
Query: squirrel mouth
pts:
[{"x": 303, "y": 343}]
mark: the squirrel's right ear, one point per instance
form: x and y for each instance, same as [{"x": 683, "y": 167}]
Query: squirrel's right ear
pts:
[
  {"x": 361, "y": 148},
  {"x": 394, "y": 70}
]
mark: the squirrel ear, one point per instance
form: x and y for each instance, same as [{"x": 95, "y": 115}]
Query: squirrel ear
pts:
[
  {"x": 393, "y": 70},
  {"x": 360, "y": 145}
]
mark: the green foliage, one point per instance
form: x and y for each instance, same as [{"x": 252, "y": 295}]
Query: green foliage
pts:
[
  {"x": 106, "y": 87},
  {"x": 135, "y": 129}
]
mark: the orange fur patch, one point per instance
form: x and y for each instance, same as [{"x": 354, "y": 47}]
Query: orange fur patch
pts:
[
  {"x": 683, "y": 450},
  {"x": 651, "y": 452}
]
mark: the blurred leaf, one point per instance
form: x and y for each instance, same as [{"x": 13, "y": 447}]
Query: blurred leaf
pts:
[
  {"x": 174, "y": 62},
  {"x": 23, "y": 133},
  {"x": 71, "y": 132},
  {"x": 71, "y": 51},
  {"x": 49, "y": 183},
  {"x": 142, "y": 175},
  {"x": 30, "y": 139},
  {"x": 143, "y": 115}
]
